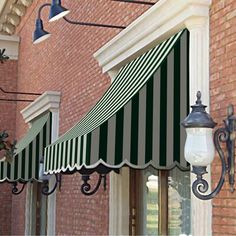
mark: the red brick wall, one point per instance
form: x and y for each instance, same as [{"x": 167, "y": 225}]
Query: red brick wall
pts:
[
  {"x": 223, "y": 92},
  {"x": 8, "y": 76},
  {"x": 65, "y": 63}
]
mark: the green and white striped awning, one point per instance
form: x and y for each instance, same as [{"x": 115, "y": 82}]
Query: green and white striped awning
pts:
[
  {"x": 137, "y": 121},
  {"x": 25, "y": 163}
]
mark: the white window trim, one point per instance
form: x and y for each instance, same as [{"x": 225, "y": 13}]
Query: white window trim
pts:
[
  {"x": 164, "y": 19},
  {"x": 48, "y": 101}
]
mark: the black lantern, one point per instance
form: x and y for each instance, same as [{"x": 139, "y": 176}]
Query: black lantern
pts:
[{"x": 200, "y": 150}]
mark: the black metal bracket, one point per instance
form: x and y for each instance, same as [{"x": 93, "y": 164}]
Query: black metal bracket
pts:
[
  {"x": 136, "y": 2},
  {"x": 86, "y": 187},
  {"x": 45, "y": 188},
  {"x": 3, "y": 57},
  {"x": 18, "y": 93},
  {"x": 226, "y": 135},
  {"x": 15, "y": 189},
  {"x": 92, "y": 24}
]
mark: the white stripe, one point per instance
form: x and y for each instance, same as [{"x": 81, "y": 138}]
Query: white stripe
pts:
[
  {"x": 94, "y": 146},
  {"x": 73, "y": 152},
  {"x": 142, "y": 125},
  {"x": 84, "y": 148},
  {"x": 127, "y": 131},
  {"x": 183, "y": 94},
  {"x": 111, "y": 138}
]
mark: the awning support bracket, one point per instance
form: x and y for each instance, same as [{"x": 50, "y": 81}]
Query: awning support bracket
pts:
[
  {"x": 45, "y": 188},
  {"x": 15, "y": 190},
  {"x": 86, "y": 187}
]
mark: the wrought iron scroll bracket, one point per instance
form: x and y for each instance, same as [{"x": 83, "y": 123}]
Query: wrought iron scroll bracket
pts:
[
  {"x": 45, "y": 188},
  {"x": 15, "y": 189},
  {"x": 86, "y": 187},
  {"x": 222, "y": 135}
]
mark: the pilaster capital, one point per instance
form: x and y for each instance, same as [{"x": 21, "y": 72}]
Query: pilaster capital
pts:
[{"x": 196, "y": 22}]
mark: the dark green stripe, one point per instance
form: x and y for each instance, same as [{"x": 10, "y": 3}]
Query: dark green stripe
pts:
[
  {"x": 163, "y": 112},
  {"x": 149, "y": 120},
  {"x": 16, "y": 158},
  {"x": 177, "y": 60},
  {"x": 81, "y": 149},
  {"x": 8, "y": 170},
  {"x": 37, "y": 155},
  {"x": 119, "y": 136},
  {"x": 44, "y": 135},
  {"x": 30, "y": 160},
  {"x": 23, "y": 164},
  {"x": 88, "y": 149},
  {"x": 134, "y": 129},
  {"x": 71, "y": 153},
  {"x": 2, "y": 168},
  {"x": 103, "y": 141}
]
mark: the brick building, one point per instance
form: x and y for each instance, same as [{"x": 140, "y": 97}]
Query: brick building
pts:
[{"x": 72, "y": 70}]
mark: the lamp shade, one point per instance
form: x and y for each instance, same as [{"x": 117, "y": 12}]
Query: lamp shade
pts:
[
  {"x": 39, "y": 34},
  {"x": 199, "y": 147},
  {"x": 57, "y": 11}
]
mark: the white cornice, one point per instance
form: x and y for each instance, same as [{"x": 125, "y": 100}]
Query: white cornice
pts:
[
  {"x": 11, "y": 44},
  {"x": 164, "y": 19},
  {"x": 48, "y": 101},
  {"x": 11, "y": 12}
]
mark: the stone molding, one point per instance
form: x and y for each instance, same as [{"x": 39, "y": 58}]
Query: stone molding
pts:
[
  {"x": 11, "y": 12},
  {"x": 50, "y": 100}
]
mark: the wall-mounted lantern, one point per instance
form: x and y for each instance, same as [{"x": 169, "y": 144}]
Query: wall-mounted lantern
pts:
[{"x": 200, "y": 148}]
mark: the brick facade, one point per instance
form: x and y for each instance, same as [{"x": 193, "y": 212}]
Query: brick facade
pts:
[
  {"x": 222, "y": 92},
  {"x": 8, "y": 77},
  {"x": 65, "y": 63}
]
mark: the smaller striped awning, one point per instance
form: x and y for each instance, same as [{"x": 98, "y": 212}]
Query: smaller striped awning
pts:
[
  {"x": 24, "y": 166},
  {"x": 136, "y": 122}
]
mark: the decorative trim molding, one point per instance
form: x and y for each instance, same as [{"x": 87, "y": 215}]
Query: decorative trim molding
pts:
[
  {"x": 50, "y": 100},
  {"x": 11, "y": 12},
  {"x": 149, "y": 30}
]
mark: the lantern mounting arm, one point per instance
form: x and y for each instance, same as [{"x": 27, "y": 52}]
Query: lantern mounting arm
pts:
[
  {"x": 200, "y": 185},
  {"x": 223, "y": 135},
  {"x": 92, "y": 24}
]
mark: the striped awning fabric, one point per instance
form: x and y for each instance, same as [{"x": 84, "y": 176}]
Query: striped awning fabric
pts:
[
  {"x": 24, "y": 166},
  {"x": 136, "y": 122}
]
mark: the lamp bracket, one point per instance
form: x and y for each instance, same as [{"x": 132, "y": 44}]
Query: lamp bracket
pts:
[
  {"x": 45, "y": 188},
  {"x": 86, "y": 187},
  {"x": 227, "y": 135},
  {"x": 92, "y": 24}
]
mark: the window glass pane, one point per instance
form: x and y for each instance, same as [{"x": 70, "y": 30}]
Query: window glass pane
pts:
[
  {"x": 179, "y": 203},
  {"x": 152, "y": 205}
]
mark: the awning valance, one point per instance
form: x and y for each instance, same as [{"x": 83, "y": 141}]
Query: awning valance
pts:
[
  {"x": 136, "y": 122},
  {"x": 24, "y": 166}
]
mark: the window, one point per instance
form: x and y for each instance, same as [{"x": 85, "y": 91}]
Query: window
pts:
[{"x": 160, "y": 202}]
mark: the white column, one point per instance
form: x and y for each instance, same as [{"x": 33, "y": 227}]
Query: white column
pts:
[
  {"x": 119, "y": 203},
  {"x": 201, "y": 211},
  {"x": 51, "y": 219}
]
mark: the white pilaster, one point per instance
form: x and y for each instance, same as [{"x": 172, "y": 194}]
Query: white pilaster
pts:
[
  {"x": 201, "y": 215},
  {"x": 119, "y": 203},
  {"x": 51, "y": 220}
]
